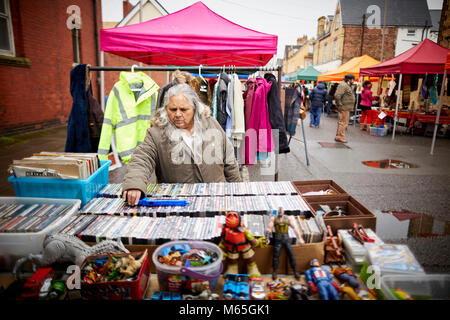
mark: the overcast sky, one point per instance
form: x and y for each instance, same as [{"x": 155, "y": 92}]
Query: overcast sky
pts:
[{"x": 288, "y": 19}]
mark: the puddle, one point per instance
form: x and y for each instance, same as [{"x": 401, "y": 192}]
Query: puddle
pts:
[
  {"x": 333, "y": 145},
  {"x": 406, "y": 225},
  {"x": 389, "y": 164}
]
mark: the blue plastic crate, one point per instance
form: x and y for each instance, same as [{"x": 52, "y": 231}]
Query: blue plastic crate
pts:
[{"x": 85, "y": 190}]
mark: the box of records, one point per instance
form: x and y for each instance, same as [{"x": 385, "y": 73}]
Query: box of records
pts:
[
  {"x": 83, "y": 179},
  {"x": 24, "y": 223}
]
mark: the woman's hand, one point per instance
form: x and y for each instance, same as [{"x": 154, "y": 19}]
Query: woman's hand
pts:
[{"x": 132, "y": 196}]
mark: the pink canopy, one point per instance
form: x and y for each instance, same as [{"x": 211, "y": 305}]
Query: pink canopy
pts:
[
  {"x": 192, "y": 36},
  {"x": 425, "y": 57}
]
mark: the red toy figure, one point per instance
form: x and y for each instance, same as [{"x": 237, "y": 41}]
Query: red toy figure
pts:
[{"x": 238, "y": 240}]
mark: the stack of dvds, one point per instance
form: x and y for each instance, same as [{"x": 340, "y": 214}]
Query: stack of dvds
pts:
[
  {"x": 151, "y": 230},
  {"x": 18, "y": 218},
  {"x": 203, "y": 206},
  {"x": 172, "y": 190},
  {"x": 113, "y": 190}
]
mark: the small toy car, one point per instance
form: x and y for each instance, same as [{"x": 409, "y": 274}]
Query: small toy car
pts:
[
  {"x": 242, "y": 287},
  {"x": 33, "y": 285},
  {"x": 156, "y": 295},
  {"x": 229, "y": 287},
  {"x": 257, "y": 289},
  {"x": 176, "y": 296},
  {"x": 166, "y": 296}
]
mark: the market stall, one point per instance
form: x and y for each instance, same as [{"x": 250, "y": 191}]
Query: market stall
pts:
[
  {"x": 309, "y": 74},
  {"x": 426, "y": 58},
  {"x": 352, "y": 66}
]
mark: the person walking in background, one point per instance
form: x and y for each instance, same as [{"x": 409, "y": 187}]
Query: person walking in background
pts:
[
  {"x": 317, "y": 98},
  {"x": 366, "y": 103},
  {"x": 330, "y": 97},
  {"x": 305, "y": 97},
  {"x": 345, "y": 102}
]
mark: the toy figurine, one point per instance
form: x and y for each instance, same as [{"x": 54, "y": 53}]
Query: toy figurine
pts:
[
  {"x": 298, "y": 291},
  {"x": 65, "y": 248},
  {"x": 320, "y": 280},
  {"x": 129, "y": 268},
  {"x": 333, "y": 248},
  {"x": 237, "y": 241},
  {"x": 354, "y": 289},
  {"x": 281, "y": 238}
]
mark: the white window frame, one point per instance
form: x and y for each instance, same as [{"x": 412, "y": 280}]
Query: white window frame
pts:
[
  {"x": 410, "y": 34},
  {"x": 12, "y": 51}
]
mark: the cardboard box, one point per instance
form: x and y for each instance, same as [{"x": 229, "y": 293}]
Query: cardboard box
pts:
[
  {"x": 318, "y": 185},
  {"x": 304, "y": 254},
  {"x": 356, "y": 212}
]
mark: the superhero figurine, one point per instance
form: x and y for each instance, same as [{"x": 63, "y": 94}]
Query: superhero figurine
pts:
[
  {"x": 238, "y": 240},
  {"x": 321, "y": 280},
  {"x": 354, "y": 289},
  {"x": 281, "y": 238}
]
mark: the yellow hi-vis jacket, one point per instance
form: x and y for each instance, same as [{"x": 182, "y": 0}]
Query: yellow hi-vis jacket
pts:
[{"x": 125, "y": 116}]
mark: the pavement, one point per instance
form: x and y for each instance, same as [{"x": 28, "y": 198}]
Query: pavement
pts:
[{"x": 425, "y": 189}]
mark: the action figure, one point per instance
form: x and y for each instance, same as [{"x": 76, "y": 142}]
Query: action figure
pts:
[
  {"x": 281, "y": 238},
  {"x": 319, "y": 279},
  {"x": 354, "y": 289},
  {"x": 238, "y": 240}
]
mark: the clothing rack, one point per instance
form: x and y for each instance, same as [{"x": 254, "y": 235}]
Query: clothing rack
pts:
[{"x": 200, "y": 68}]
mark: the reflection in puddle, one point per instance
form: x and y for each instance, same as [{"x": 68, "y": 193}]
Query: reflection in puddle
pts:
[
  {"x": 405, "y": 225},
  {"x": 389, "y": 164}
]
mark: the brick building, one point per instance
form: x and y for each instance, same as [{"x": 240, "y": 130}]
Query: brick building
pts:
[
  {"x": 444, "y": 29},
  {"x": 356, "y": 29},
  {"x": 299, "y": 56},
  {"x": 36, "y": 57}
]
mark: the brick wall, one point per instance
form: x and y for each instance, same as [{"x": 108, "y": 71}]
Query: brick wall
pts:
[
  {"x": 371, "y": 43},
  {"x": 39, "y": 95},
  {"x": 444, "y": 28}
]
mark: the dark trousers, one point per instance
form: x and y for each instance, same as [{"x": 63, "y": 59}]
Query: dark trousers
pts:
[{"x": 278, "y": 245}]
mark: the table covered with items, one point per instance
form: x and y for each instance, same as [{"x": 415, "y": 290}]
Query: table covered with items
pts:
[{"x": 300, "y": 240}]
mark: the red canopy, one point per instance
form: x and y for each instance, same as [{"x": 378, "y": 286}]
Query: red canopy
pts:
[
  {"x": 425, "y": 57},
  {"x": 192, "y": 36},
  {"x": 447, "y": 64}
]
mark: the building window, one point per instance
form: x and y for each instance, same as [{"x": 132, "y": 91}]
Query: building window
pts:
[
  {"x": 411, "y": 33},
  {"x": 324, "y": 58},
  {"x": 311, "y": 49},
  {"x": 334, "y": 49},
  {"x": 6, "y": 31}
]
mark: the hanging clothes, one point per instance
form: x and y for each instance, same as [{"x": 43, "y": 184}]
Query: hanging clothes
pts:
[
  {"x": 178, "y": 78},
  {"x": 294, "y": 99},
  {"x": 127, "y": 114},
  {"x": 77, "y": 128},
  {"x": 222, "y": 114},
  {"x": 434, "y": 96},
  {"x": 230, "y": 107},
  {"x": 259, "y": 132},
  {"x": 239, "y": 120},
  {"x": 215, "y": 98},
  {"x": 95, "y": 120},
  {"x": 276, "y": 114},
  {"x": 201, "y": 86},
  {"x": 248, "y": 100}
]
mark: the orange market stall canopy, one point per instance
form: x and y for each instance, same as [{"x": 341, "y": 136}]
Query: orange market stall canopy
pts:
[{"x": 352, "y": 66}]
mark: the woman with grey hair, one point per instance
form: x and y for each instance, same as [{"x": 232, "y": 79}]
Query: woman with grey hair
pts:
[{"x": 183, "y": 145}]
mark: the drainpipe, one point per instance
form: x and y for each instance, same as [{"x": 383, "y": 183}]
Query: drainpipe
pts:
[
  {"x": 362, "y": 33},
  {"x": 96, "y": 48}
]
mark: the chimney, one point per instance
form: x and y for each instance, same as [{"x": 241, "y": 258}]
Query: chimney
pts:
[
  {"x": 302, "y": 40},
  {"x": 321, "y": 26},
  {"x": 127, "y": 6}
]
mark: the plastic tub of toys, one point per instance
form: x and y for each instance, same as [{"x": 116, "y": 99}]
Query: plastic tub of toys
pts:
[
  {"x": 176, "y": 277},
  {"x": 116, "y": 287}
]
